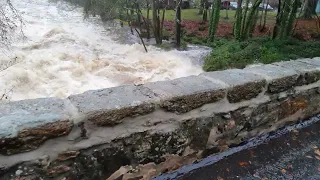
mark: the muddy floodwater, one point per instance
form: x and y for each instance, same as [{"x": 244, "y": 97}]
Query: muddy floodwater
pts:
[{"x": 64, "y": 54}]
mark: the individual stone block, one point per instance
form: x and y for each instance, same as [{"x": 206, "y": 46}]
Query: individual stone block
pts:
[
  {"x": 279, "y": 78},
  {"x": 107, "y": 107},
  {"x": 315, "y": 61},
  {"x": 308, "y": 72},
  {"x": 185, "y": 94},
  {"x": 25, "y": 125},
  {"x": 241, "y": 85}
]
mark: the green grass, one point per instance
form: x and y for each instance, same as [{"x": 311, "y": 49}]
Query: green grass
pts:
[
  {"x": 233, "y": 54},
  {"x": 192, "y": 14}
]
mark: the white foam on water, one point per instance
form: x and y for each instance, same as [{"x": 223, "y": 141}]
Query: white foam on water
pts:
[{"x": 65, "y": 54}]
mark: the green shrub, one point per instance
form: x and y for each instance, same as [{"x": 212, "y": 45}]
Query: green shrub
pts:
[{"x": 234, "y": 54}]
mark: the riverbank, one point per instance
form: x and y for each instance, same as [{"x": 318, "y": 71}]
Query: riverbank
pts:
[
  {"x": 230, "y": 53},
  {"x": 260, "y": 48}
]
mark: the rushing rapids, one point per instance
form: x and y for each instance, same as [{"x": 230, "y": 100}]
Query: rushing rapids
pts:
[{"x": 64, "y": 54}]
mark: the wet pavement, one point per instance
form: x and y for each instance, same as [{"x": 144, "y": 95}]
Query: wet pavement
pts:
[{"x": 290, "y": 153}]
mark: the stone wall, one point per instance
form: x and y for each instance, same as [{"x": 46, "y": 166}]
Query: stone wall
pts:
[{"x": 91, "y": 135}]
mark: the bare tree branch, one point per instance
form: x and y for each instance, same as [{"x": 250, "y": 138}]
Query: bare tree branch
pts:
[{"x": 10, "y": 22}]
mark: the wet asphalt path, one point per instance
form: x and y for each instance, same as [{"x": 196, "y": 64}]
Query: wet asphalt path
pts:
[{"x": 290, "y": 153}]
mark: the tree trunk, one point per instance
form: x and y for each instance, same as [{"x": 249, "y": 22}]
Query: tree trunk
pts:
[
  {"x": 129, "y": 18},
  {"x": 214, "y": 19},
  {"x": 309, "y": 9},
  {"x": 265, "y": 15},
  {"x": 148, "y": 20},
  {"x": 261, "y": 17},
  {"x": 284, "y": 18},
  {"x": 201, "y": 7},
  {"x": 292, "y": 17},
  {"x": 278, "y": 21},
  {"x": 251, "y": 20},
  {"x": 244, "y": 18},
  {"x": 144, "y": 45},
  {"x": 237, "y": 24},
  {"x": 178, "y": 24},
  {"x": 205, "y": 15},
  {"x": 156, "y": 21},
  {"x": 205, "y": 11},
  {"x": 138, "y": 16},
  {"x": 162, "y": 21}
]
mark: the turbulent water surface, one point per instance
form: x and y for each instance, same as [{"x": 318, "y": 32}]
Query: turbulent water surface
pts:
[{"x": 64, "y": 54}]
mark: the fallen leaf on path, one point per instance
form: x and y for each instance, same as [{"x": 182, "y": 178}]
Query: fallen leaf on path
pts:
[
  {"x": 317, "y": 152},
  {"x": 283, "y": 171},
  {"x": 317, "y": 157},
  {"x": 219, "y": 178},
  {"x": 309, "y": 157},
  {"x": 243, "y": 163},
  {"x": 294, "y": 138},
  {"x": 295, "y": 131}
]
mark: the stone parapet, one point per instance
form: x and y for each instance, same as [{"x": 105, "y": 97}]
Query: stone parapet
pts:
[{"x": 91, "y": 135}]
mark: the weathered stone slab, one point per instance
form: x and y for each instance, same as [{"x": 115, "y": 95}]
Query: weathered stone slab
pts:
[
  {"x": 315, "y": 61},
  {"x": 242, "y": 85},
  {"x": 279, "y": 78},
  {"x": 107, "y": 107},
  {"x": 25, "y": 125},
  {"x": 308, "y": 72},
  {"x": 184, "y": 94}
]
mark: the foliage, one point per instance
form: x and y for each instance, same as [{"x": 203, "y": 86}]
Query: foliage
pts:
[{"x": 235, "y": 54}]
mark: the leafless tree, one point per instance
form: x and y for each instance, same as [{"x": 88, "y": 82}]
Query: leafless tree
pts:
[
  {"x": 10, "y": 27},
  {"x": 10, "y": 22}
]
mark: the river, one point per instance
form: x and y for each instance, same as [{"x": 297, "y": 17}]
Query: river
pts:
[{"x": 64, "y": 54}]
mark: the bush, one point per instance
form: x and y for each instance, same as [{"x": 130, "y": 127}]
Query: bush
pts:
[
  {"x": 202, "y": 28},
  {"x": 234, "y": 54}
]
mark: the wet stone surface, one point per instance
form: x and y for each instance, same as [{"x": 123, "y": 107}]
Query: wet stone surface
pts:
[
  {"x": 308, "y": 72},
  {"x": 241, "y": 84},
  {"x": 26, "y": 125},
  {"x": 290, "y": 153},
  {"x": 162, "y": 125},
  {"x": 280, "y": 78},
  {"x": 107, "y": 107},
  {"x": 185, "y": 94}
]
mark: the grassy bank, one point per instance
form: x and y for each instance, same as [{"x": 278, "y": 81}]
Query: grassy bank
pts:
[
  {"x": 233, "y": 54},
  {"x": 192, "y": 14}
]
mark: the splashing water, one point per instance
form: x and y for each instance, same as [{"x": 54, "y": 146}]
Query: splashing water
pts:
[{"x": 64, "y": 55}]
